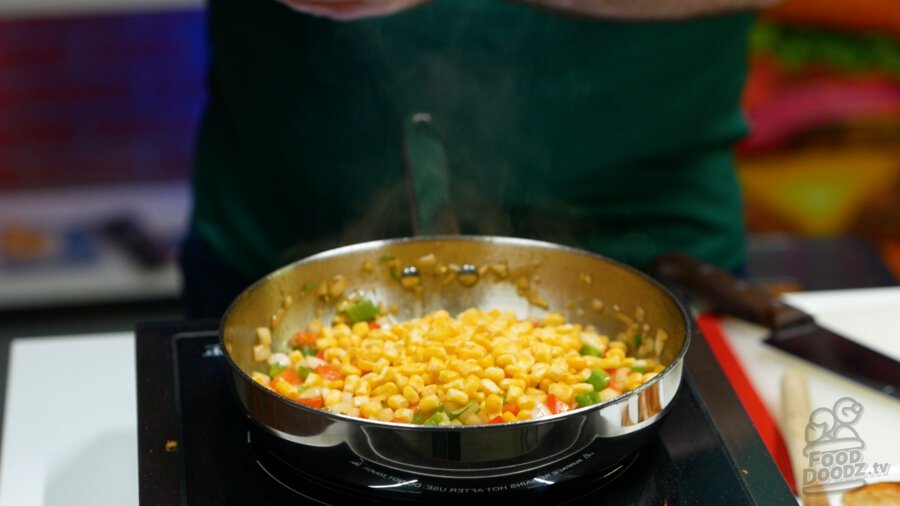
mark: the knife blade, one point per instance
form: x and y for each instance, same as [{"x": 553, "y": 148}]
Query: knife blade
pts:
[{"x": 791, "y": 329}]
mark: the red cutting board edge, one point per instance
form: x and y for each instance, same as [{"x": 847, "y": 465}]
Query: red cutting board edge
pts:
[{"x": 759, "y": 414}]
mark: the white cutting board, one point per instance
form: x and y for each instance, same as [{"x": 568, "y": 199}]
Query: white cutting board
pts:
[
  {"x": 869, "y": 316},
  {"x": 70, "y": 422}
]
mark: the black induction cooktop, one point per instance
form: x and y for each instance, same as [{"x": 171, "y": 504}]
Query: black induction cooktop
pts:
[{"x": 197, "y": 448}]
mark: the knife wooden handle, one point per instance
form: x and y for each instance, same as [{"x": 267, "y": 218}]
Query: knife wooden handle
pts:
[{"x": 723, "y": 292}]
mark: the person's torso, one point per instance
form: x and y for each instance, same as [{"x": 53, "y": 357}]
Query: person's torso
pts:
[{"x": 554, "y": 127}]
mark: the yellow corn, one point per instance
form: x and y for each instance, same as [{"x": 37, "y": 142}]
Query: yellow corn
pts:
[
  {"x": 494, "y": 374},
  {"x": 580, "y": 388},
  {"x": 553, "y": 319},
  {"x": 397, "y": 401},
  {"x": 429, "y": 403},
  {"x": 493, "y": 403},
  {"x": 410, "y": 394},
  {"x": 607, "y": 394},
  {"x": 262, "y": 379},
  {"x": 458, "y": 396},
  {"x": 526, "y": 402},
  {"x": 360, "y": 329},
  {"x": 562, "y": 392},
  {"x": 385, "y": 415},
  {"x": 447, "y": 375},
  {"x": 331, "y": 397},
  {"x": 403, "y": 415},
  {"x": 486, "y": 357},
  {"x": 286, "y": 389}
]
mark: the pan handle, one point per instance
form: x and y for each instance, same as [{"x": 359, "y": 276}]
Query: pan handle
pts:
[
  {"x": 427, "y": 178},
  {"x": 722, "y": 292}
]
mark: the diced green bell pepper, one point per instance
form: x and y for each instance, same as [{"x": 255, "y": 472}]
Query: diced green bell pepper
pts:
[
  {"x": 274, "y": 369},
  {"x": 362, "y": 311},
  {"x": 587, "y": 399},
  {"x": 589, "y": 350},
  {"x": 599, "y": 378}
]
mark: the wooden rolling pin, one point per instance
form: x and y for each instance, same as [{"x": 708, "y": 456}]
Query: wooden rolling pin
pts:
[{"x": 795, "y": 415}]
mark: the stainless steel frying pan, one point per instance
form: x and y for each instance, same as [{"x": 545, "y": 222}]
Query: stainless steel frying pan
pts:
[{"x": 539, "y": 277}]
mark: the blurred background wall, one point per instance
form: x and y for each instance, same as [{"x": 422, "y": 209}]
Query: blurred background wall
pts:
[
  {"x": 100, "y": 99},
  {"x": 822, "y": 160},
  {"x": 99, "y": 102}
]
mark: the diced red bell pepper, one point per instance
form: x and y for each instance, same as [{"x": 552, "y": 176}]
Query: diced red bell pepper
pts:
[
  {"x": 313, "y": 402},
  {"x": 305, "y": 338},
  {"x": 496, "y": 419},
  {"x": 329, "y": 372},
  {"x": 374, "y": 325},
  {"x": 556, "y": 406},
  {"x": 512, "y": 408},
  {"x": 287, "y": 374}
]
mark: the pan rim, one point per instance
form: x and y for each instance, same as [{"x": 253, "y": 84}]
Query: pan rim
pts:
[{"x": 676, "y": 362}]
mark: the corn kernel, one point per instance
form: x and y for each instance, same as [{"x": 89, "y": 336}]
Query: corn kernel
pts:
[
  {"x": 348, "y": 370},
  {"x": 397, "y": 401},
  {"x": 364, "y": 388},
  {"x": 514, "y": 392},
  {"x": 337, "y": 384},
  {"x": 313, "y": 380},
  {"x": 447, "y": 375},
  {"x": 609, "y": 363},
  {"x": 505, "y": 360},
  {"x": 607, "y": 394},
  {"x": 615, "y": 353},
  {"x": 562, "y": 392},
  {"x": 360, "y": 329},
  {"x": 493, "y": 403},
  {"x": 524, "y": 414},
  {"x": 576, "y": 362},
  {"x": 365, "y": 365},
  {"x": 429, "y": 403},
  {"x": 403, "y": 415},
  {"x": 410, "y": 394},
  {"x": 490, "y": 386},
  {"x": 262, "y": 379},
  {"x": 331, "y": 397},
  {"x": 494, "y": 374},
  {"x": 557, "y": 372},
  {"x": 286, "y": 389},
  {"x": 458, "y": 396},
  {"x": 553, "y": 319},
  {"x": 370, "y": 409},
  {"x": 386, "y": 389},
  {"x": 334, "y": 354},
  {"x": 526, "y": 402},
  {"x": 507, "y": 383},
  {"x": 580, "y": 388}
]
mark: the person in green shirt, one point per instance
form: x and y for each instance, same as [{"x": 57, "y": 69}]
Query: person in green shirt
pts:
[{"x": 602, "y": 124}]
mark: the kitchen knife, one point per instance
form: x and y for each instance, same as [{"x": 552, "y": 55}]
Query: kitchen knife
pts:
[{"x": 792, "y": 330}]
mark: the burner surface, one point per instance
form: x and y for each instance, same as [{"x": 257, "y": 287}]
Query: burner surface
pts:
[
  {"x": 377, "y": 484},
  {"x": 223, "y": 458}
]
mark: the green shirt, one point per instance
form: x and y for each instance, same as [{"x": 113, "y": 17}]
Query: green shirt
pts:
[{"x": 611, "y": 136}]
